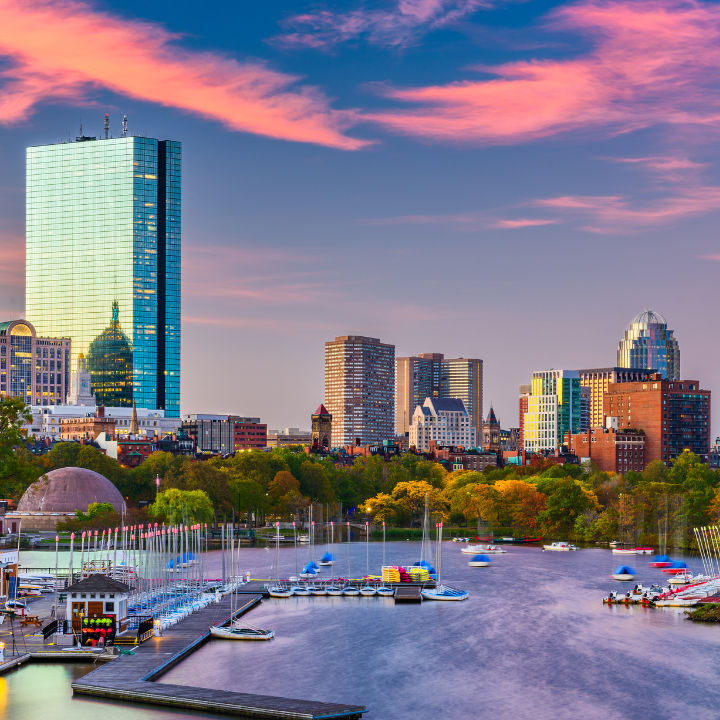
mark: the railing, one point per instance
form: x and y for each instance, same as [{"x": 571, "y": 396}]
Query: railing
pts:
[
  {"x": 145, "y": 629},
  {"x": 59, "y": 627}
]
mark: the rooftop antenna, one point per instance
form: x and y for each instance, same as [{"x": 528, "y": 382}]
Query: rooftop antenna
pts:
[
  {"x": 124, "y": 130},
  {"x": 107, "y": 125},
  {"x": 81, "y": 130}
]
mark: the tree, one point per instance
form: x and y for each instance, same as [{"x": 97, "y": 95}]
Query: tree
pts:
[
  {"x": 383, "y": 508},
  {"x": 184, "y": 507},
  {"x": 16, "y": 471},
  {"x": 565, "y": 501},
  {"x": 314, "y": 483},
  {"x": 411, "y": 496},
  {"x": 282, "y": 484}
]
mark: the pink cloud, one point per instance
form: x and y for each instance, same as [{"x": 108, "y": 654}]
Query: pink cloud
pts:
[
  {"x": 615, "y": 214},
  {"x": 398, "y": 27},
  {"x": 64, "y": 50},
  {"x": 652, "y": 62},
  {"x": 663, "y": 163},
  {"x": 522, "y": 223}
]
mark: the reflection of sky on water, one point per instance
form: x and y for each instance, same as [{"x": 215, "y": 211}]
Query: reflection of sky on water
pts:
[{"x": 533, "y": 641}]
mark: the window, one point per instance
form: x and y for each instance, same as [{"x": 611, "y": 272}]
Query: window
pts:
[{"x": 109, "y": 607}]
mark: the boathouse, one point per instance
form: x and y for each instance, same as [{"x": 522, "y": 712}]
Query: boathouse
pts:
[{"x": 97, "y": 608}]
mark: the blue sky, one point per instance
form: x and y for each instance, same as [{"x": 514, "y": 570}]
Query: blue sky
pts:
[{"x": 510, "y": 181}]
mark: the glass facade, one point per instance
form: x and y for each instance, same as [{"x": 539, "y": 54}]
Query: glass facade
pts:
[
  {"x": 103, "y": 252},
  {"x": 649, "y": 344},
  {"x": 554, "y": 409},
  {"x": 463, "y": 379}
]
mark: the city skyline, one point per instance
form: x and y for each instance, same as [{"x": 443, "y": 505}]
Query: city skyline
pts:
[{"x": 319, "y": 220}]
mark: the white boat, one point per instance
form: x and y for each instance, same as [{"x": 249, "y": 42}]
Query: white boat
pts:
[
  {"x": 440, "y": 591},
  {"x": 302, "y": 590},
  {"x": 303, "y": 539},
  {"x": 368, "y": 590},
  {"x": 560, "y": 546},
  {"x": 245, "y": 632},
  {"x": 462, "y": 539},
  {"x": 620, "y": 551},
  {"x": 485, "y": 549},
  {"x": 335, "y": 590},
  {"x": 279, "y": 591},
  {"x": 351, "y": 591},
  {"x": 479, "y": 561},
  {"x": 384, "y": 591},
  {"x": 314, "y": 590},
  {"x": 680, "y": 579},
  {"x": 623, "y": 572}
]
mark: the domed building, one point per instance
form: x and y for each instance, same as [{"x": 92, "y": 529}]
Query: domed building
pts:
[
  {"x": 60, "y": 493},
  {"x": 110, "y": 364},
  {"x": 648, "y": 344}
]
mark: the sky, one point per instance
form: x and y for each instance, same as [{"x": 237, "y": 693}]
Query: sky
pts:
[{"x": 512, "y": 181}]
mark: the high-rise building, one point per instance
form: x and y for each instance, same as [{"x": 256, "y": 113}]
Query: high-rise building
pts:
[
  {"x": 444, "y": 421},
  {"x": 523, "y": 393},
  {"x": 554, "y": 409},
  {"x": 599, "y": 379},
  {"x": 648, "y": 344},
  {"x": 360, "y": 389},
  {"x": 432, "y": 375},
  {"x": 416, "y": 378},
  {"x": 224, "y": 434},
  {"x": 674, "y": 416},
  {"x": 103, "y": 261},
  {"x": 36, "y": 369},
  {"x": 463, "y": 379}
]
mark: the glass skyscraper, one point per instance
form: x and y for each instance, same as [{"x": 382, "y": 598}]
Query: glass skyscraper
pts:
[
  {"x": 650, "y": 345},
  {"x": 103, "y": 262}
]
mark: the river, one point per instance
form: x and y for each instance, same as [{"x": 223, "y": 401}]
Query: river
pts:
[{"x": 533, "y": 641}]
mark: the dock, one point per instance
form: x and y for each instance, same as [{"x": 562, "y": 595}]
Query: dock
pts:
[
  {"x": 409, "y": 594},
  {"x": 131, "y": 677}
]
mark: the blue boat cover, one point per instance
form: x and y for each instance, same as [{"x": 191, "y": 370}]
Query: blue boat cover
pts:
[
  {"x": 314, "y": 565},
  {"x": 309, "y": 568},
  {"x": 425, "y": 564},
  {"x": 679, "y": 565},
  {"x": 624, "y": 570},
  {"x": 662, "y": 558},
  {"x": 481, "y": 558},
  {"x": 186, "y": 557},
  {"x": 327, "y": 557}
]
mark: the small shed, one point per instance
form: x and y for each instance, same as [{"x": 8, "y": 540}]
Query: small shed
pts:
[{"x": 97, "y": 608}]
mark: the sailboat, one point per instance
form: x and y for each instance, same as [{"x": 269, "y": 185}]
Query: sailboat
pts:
[
  {"x": 425, "y": 546},
  {"x": 443, "y": 592},
  {"x": 350, "y": 589},
  {"x": 238, "y": 630},
  {"x": 277, "y": 589},
  {"x": 299, "y": 588},
  {"x": 383, "y": 590},
  {"x": 367, "y": 590},
  {"x": 332, "y": 588}
]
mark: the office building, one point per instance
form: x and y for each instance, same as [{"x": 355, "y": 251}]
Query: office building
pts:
[
  {"x": 219, "y": 434},
  {"x": 554, "y": 409},
  {"x": 443, "y": 421},
  {"x": 103, "y": 261},
  {"x": 609, "y": 449},
  {"x": 674, "y": 415},
  {"x": 416, "y": 378},
  {"x": 250, "y": 434},
  {"x": 36, "y": 369},
  {"x": 523, "y": 393},
  {"x": 599, "y": 379},
  {"x": 360, "y": 390},
  {"x": 288, "y": 437},
  {"x": 648, "y": 344},
  {"x": 462, "y": 378}
]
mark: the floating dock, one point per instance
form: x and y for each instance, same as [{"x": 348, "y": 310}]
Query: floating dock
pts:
[
  {"x": 131, "y": 677},
  {"x": 409, "y": 594}
]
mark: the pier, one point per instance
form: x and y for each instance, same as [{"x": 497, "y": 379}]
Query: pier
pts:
[{"x": 131, "y": 677}]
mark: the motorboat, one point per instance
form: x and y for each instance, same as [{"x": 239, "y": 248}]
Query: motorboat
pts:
[
  {"x": 351, "y": 591},
  {"x": 676, "y": 568},
  {"x": 681, "y": 579},
  {"x": 486, "y": 549},
  {"x": 479, "y": 561},
  {"x": 462, "y": 539},
  {"x": 303, "y": 539},
  {"x": 241, "y": 632},
  {"x": 644, "y": 550},
  {"x": 661, "y": 561},
  {"x": 516, "y": 541},
  {"x": 623, "y": 572},
  {"x": 621, "y": 551},
  {"x": 560, "y": 546},
  {"x": 444, "y": 592}
]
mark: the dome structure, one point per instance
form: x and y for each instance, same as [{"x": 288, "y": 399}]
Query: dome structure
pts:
[
  {"x": 649, "y": 345},
  {"x": 69, "y": 489}
]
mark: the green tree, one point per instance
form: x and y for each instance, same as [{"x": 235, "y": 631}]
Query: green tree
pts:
[
  {"x": 184, "y": 507},
  {"x": 315, "y": 484},
  {"x": 566, "y": 499}
]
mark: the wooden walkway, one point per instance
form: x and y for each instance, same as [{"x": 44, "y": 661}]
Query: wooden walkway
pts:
[{"x": 130, "y": 677}]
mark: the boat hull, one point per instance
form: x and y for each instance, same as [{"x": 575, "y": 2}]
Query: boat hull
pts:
[
  {"x": 432, "y": 595},
  {"x": 234, "y": 634},
  {"x": 478, "y": 563},
  {"x": 622, "y": 576}
]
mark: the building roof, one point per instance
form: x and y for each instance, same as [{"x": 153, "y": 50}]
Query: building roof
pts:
[
  {"x": 69, "y": 489},
  {"x": 491, "y": 416},
  {"x": 99, "y": 583},
  {"x": 446, "y": 404},
  {"x": 321, "y": 410},
  {"x": 649, "y": 317}
]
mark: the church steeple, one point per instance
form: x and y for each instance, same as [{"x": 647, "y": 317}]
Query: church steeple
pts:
[{"x": 134, "y": 429}]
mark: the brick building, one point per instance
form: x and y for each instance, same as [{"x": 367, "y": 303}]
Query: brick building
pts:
[
  {"x": 524, "y": 392},
  {"x": 132, "y": 452},
  {"x": 250, "y": 434},
  {"x": 675, "y": 415},
  {"x": 610, "y": 450},
  {"x": 87, "y": 427}
]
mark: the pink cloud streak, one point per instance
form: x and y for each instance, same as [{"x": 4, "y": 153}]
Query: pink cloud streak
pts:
[
  {"x": 398, "y": 27},
  {"x": 63, "y": 50},
  {"x": 654, "y": 61}
]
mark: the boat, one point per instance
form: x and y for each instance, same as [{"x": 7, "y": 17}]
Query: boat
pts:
[
  {"x": 278, "y": 589},
  {"x": 327, "y": 559},
  {"x": 676, "y": 568},
  {"x": 335, "y": 590},
  {"x": 644, "y": 550},
  {"x": 351, "y": 591},
  {"x": 440, "y": 591},
  {"x": 479, "y": 561},
  {"x": 620, "y": 551},
  {"x": 560, "y": 546},
  {"x": 611, "y": 599},
  {"x": 623, "y": 572},
  {"x": 368, "y": 590},
  {"x": 681, "y": 579},
  {"x": 301, "y": 590},
  {"x": 486, "y": 549},
  {"x": 318, "y": 590},
  {"x": 309, "y": 572},
  {"x": 461, "y": 539},
  {"x": 661, "y": 561},
  {"x": 303, "y": 539},
  {"x": 243, "y": 632},
  {"x": 513, "y": 540},
  {"x": 384, "y": 591}
]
